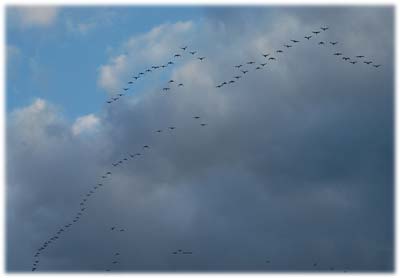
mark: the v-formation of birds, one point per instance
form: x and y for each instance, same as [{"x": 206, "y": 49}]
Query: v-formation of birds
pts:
[{"x": 267, "y": 58}]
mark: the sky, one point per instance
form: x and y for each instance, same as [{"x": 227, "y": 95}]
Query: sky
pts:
[{"x": 293, "y": 170}]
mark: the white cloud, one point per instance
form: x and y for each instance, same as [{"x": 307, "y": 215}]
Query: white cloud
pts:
[
  {"x": 85, "y": 123},
  {"x": 145, "y": 49},
  {"x": 34, "y": 16}
]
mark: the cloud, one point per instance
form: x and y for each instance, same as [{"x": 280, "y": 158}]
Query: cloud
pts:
[
  {"x": 34, "y": 16},
  {"x": 86, "y": 123},
  {"x": 295, "y": 164},
  {"x": 142, "y": 51}
]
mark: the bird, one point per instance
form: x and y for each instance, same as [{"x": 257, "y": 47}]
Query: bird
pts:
[
  {"x": 180, "y": 85},
  {"x": 170, "y": 63},
  {"x": 146, "y": 147},
  {"x": 117, "y": 254},
  {"x": 353, "y": 62},
  {"x": 250, "y": 63},
  {"x": 287, "y": 45},
  {"x": 120, "y": 95},
  {"x": 316, "y": 32},
  {"x": 171, "y": 81},
  {"x": 324, "y": 28},
  {"x": 279, "y": 51},
  {"x": 165, "y": 89},
  {"x": 218, "y": 86},
  {"x": 201, "y": 58},
  {"x": 307, "y": 37},
  {"x": 109, "y": 101},
  {"x": 192, "y": 52},
  {"x": 237, "y": 77},
  {"x": 113, "y": 228},
  {"x": 159, "y": 130},
  {"x": 263, "y": 64},
  {"x": 196, "y": 117},
  {"x": 333, "y": 43},
  {"x": 271, "y": 58},
  {"x": 360, "y": 56},
  {"x": 171, "y": 127},
  {"x": 346, "y": 58},
  {"x": 367, "y": 62},
  {"x": 265, "y": 55},
  {"x": 203, "y": 124},
  {"x": 321, "y": 43},
  {"x": 108, "y": 173},
  {"x": 125, "y": 89},
  {"x": 122, "y": 230},
  {"x": 295, "y": 41},
  {"x": 257, "y": 68},
  {"x": 377, "y": 66},
  {"x": 130, "y": 82},
  {"x": 245, "y": 71},
  {"x": 337, "y": 54},
  {"x": 231, "y": 81},
  {"x": 238, "y": 66},
  {"x": 184, "y": 48},
  {"x": 148, "y": 70},
  {"x": 177, "y": 55}
]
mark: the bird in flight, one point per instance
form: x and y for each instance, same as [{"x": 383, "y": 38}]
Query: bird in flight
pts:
[
  {"x": 295, "y": 41},
  {"x": 265, "y": 55},
  {"x": 250, "y": 63},
  {"x": 307, "y": 37},
  {"x": 316, "y": 32},
  {"x": 353, "y": 62},
  {"x": 125, "y": 89},
  {"x": 324, "y": 28},
  {"x": 171, "y": 127},
  {"x": 279, "y": 51},
  {"x": 377, "y": 66},
  {"x": 196, "y": 117},
  {"x": 170, "y": 63},
  {"x": 238, "y": 66},
  {"x": 287, "y": 45},
  {"x": 184, "y": 48},
  {"x": 360, "y": 56},
  {"x": 203, "y": 124},
  {"x": 245, "y": 71},
  {"x": 257, "y": 68},
  {"x": 201, "y": 58},
  {"x": 165, "y": 89},
  {"x": 333, "y": 43},
  {"x": 177, "y": 55},
  {"x": 171, "y": 81},
  {"x": 263, "y": 64},
  {"x": 180, "y": 84},
  {"x": 271, "y": 58},
  {"x": 367, "y": 62},
  {"x": 145, "y": 147},
  {"x": 346, "y": 58},
  {"x": 192, "y": 52},
  {"x": 337, "y": 54}
]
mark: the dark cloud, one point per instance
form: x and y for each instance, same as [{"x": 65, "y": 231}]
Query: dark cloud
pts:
[{"x": 295, "y": 165}]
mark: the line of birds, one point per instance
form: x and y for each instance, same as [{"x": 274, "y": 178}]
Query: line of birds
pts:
[
  {"x": 268, "y": 57},
  {"x": 131, "y": 156},
  {"x": 137, "y": 76}
]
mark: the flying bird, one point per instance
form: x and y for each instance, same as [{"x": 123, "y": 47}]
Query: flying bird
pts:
[
  {"x": 245, "y": 71},
  {"x": 265, "y": 55},
  {"x": 333, "y": 43},
  {"x": 203, "y": 124},
  {"x": 192, "y": 52},
  {"x": 196, "y": 117},
  {"x": 321, "y": 43},
  {"x": 171, "y": 127},
  {"x": 287, "y": 45},
  {"x": 367, "y": 62},
  {"x": 201, "y": 58},
  {"x": 177, "y": 55},
  {"x": 184, "y": 48},
  {"x": 180, "y": 85},
  {"x": 377, "y": 66},
  {"x": 360, "y": 56},
  {"x": 279, "y": 51},
  {"x": 337, "y": 54},
  {"x": 316, "y": 32},
  {"x": 353, "y": 62},
  {"x": 307, "y": 37},
  {"x": 271, "y": 58},
  {"x": 346, "y": 58},
  {"x": 238, "y": 66},
  {"x": 324, "y": 28},
  {"x": 295, "y": 41},
  {"x": 250, "y": 63}
]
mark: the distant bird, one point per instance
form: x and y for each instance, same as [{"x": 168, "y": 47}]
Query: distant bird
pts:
[
  {"x": 265, "y": 55},
  {"x": 130, "y": 82},
  {"x": 279, "y": 51},
  {"x": 245, "y": 71},
  {"x": 171, "y": 127},
  {"x": 180, "y": 85},
  {"x": 316, "y": 32},
  {"x": 125, "y": 89},
  {"x": 257, "y": 68},
  {"x": 163, "y": 66},
  {"x": 201, "y": 58},
  {"x": 170, "y": 63},
  {"x": 337, "y": 54},
  {"x": 250, "y": 63},
  {"x": 108, "y": 173},
  {"x": 271, "y": 58},
  {"x": 367, "y": 62},
  {"x": 231, "y": 81},
  {"x": 203, "y": 124},
  {"x": 353, "y": 62},
  {"x": 360, "y": 56},
  {"x": 287, "y": 45},
  {"x": 116, "y": 254},
  {"x": 159, "y": 130},
  {"x": 238, "y": 66},
  {"x": 109, "y": 101},
  {"x": 218, "y": 86},
  {"x": 237, "y": 77},
  {"x": 145, "y": 147},
  {"x": 122, "y": 230},
  {"x": 113, "y": 228},
  {"x": 321, "y": 43},
  {"x": 263, "y": 64},
  {"x": 307, "y": 37},
  {"x": 165, "y": 89},
  {"x": 295, "y": 41},
  {"x": 346, "y": 58},
  {"x": 120, "y": 95},
  {"x": 177, "y": 55},
  {"x": 184, "y": 48},
  {"x": 333, "y": 43},
  {"x": 196, "y": 117},
  {"x": 148, "y": 70},
  {"x": 324, "y": 28},
  {"x": 192, "y": 52},
  {"x": 377, "y": 66}
]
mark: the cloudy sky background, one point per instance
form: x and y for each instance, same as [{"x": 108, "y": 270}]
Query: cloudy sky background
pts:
[{"x": 295, "y": 165}]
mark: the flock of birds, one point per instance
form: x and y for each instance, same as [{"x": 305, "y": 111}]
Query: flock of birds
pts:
[{"x": 268, "y": 57}]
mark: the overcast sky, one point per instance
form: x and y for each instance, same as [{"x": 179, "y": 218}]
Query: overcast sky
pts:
[{"x": 294, "y": 166}]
